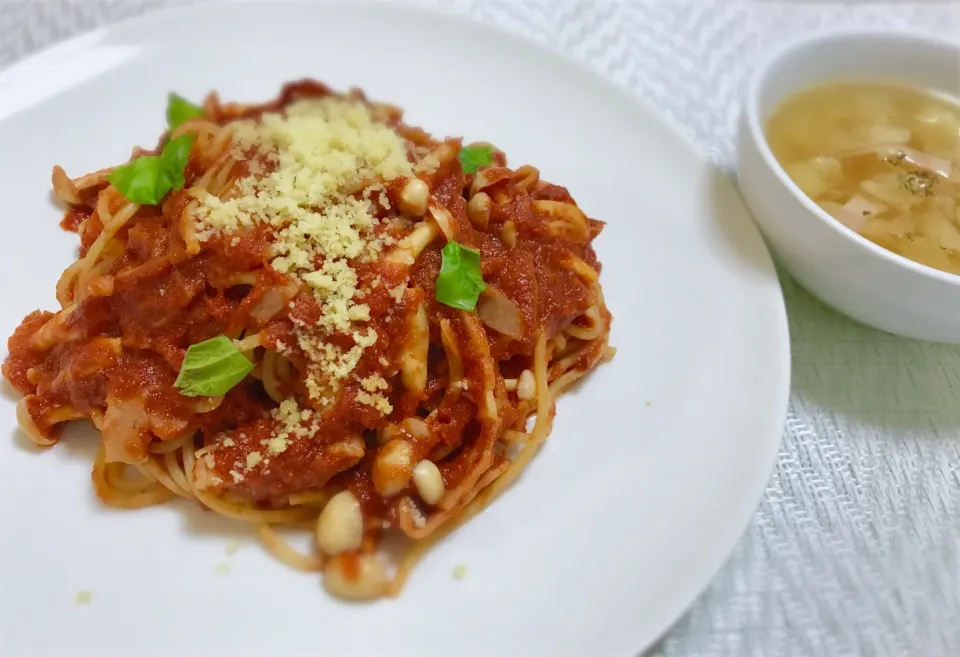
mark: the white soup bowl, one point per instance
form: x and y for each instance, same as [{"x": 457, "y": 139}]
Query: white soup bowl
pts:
[{"x": 865, "y": 281}]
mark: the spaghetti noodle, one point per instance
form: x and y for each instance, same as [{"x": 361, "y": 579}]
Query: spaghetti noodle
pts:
[{"x": 309, "y": 313}]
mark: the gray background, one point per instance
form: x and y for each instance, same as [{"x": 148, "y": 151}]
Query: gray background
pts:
[{"x": 854, "y": 549}]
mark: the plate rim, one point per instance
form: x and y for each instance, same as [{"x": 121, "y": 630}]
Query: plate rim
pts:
[{"x": 665, "y": 620}]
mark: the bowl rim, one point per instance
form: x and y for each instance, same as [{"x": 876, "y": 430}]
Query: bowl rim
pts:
[{"x": 758, "y": 79}]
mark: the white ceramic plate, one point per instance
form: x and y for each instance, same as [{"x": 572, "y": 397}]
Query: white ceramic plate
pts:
[{"x": 654, "y": 466}]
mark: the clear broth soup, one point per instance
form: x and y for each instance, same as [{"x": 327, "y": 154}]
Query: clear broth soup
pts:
[{"x": 882, "y": 159}]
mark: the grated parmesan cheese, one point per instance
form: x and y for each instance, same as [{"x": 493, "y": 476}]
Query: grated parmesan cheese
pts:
[
  {"x": 370, "y": 394},
  {"x": 320, "y": 152},
  {"x": 397, "y": 292},
  {"x": 378, "y": 402},
  {"x": 293, "y": 423}
]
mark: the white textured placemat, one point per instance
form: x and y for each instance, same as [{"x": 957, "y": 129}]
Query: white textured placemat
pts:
[{"x": 854, "y": 549}]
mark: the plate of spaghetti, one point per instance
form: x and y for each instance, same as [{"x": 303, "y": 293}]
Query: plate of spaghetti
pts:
[{"x": 469, "y": 354}]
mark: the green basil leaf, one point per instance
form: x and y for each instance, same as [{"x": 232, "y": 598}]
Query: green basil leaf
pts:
[
  {"x": 174, "y": 156},
  {"x": 460, "y": 281},
  {"x": 211, "y": 368},
  {"x": 179, "y": 109},
  {"x": 141, "y": 180},
  {"x": 474, "y": 157},
  {"x": 147, "y": 179}
]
